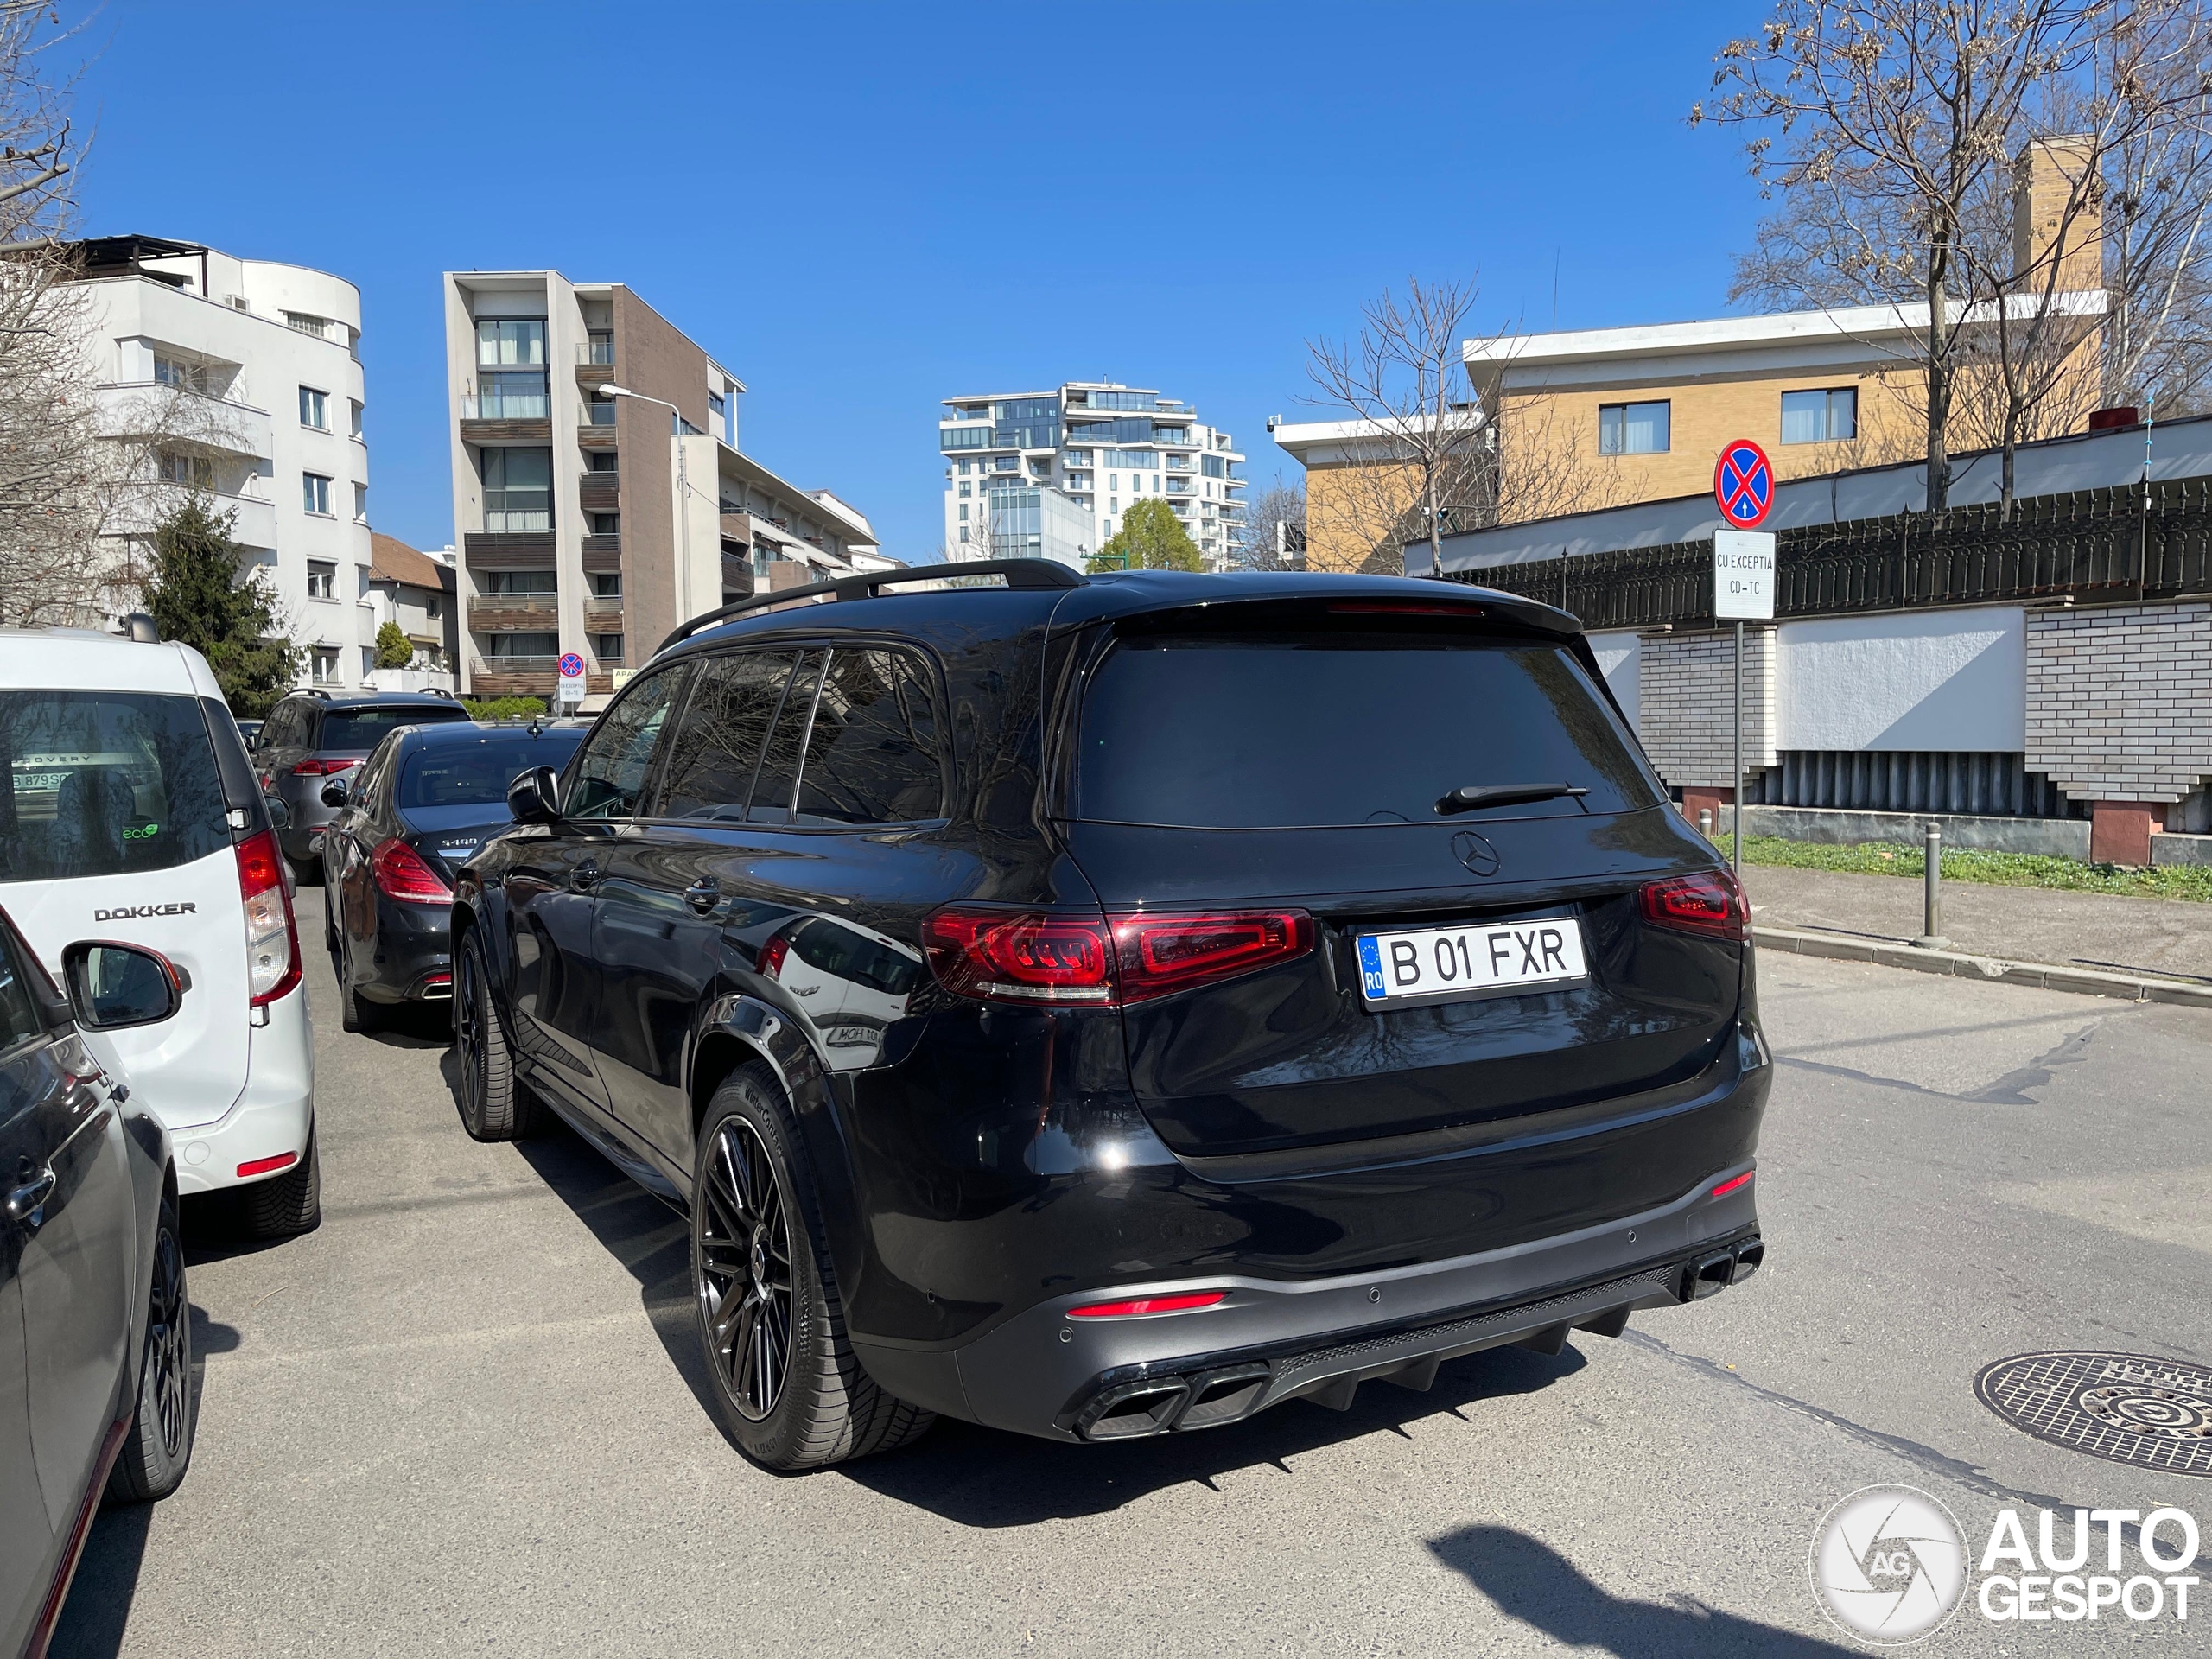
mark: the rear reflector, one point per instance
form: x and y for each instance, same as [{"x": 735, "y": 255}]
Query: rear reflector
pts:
[
  {"x": 1726, "y": 1187},
  {"x": 1105, "y": 962},
  {"x": 263, "y": 1166},
  {"x": 1181, "y": 1303},
  {"x": 1709, "y": 902}
]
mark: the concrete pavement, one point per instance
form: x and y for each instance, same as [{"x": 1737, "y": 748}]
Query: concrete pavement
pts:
[{"x": 464, "y": 1416}]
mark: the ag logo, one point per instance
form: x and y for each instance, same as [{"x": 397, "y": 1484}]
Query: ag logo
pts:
[
  {"x": 1475, "y": 853},
  {"x": 1889, "y": 1565}
]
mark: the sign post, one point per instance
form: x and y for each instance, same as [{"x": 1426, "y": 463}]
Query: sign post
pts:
[
  {"x": 572, "y": 679},
  {"x": 1742, "y": 580}
]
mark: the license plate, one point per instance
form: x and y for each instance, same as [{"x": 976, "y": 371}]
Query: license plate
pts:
[{"x": 1439, "y": 964}]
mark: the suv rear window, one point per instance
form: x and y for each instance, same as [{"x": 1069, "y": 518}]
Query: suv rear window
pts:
[
  {"x": 356, "y": 731},
  {"x": 105, "y": 783},
  {"x": 1297, "y": 731}
]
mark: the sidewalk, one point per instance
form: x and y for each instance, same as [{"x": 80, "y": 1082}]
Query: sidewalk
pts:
[{"x": 2088, "y": 930}]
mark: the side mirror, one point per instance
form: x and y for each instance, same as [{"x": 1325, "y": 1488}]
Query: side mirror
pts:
[
  {"x": 333, "y": 791},
  {"x": 280, "y": 815},
  {"x": 534, "y": 797},
  {"x": 112, "y": 986}
]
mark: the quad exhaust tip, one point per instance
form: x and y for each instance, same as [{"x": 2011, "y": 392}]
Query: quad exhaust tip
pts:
[{"x": 1711, "y": 1275}]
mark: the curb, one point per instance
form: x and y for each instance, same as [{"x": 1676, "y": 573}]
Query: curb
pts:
[{"x": 2086, "y": 982}]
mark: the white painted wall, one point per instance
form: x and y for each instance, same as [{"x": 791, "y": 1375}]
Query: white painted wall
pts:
[
  {"x": 1936, "y": 680},
  {"x": 1620, "y": 656}
]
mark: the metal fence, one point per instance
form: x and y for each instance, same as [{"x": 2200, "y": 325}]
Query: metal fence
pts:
[{"x": 2093, "y": 545}]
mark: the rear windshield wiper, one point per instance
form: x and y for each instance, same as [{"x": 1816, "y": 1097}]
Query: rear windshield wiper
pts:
[{"x": 1468, "y": 797}]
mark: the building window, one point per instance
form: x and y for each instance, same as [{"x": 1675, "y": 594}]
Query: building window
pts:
[
  {"x": 963, "y": 512},
  {"x": 193, "y": 472},
  {"x": 1632, "y": 428},
  {"x": 716, "y": 407},
  {"x": 1825, "y": 416},
  {"x": 607, "y": 523},
  {"x": 606, "y": 584},
  {"x": 368, "y": 665},
  {"x": 315, "y": 409},
  {"x": 966, "y": 467},
  {"x": 967, "y": 490},
  {"x": 322, "y": 580},
  {"x": 176, "y": 373},
  {"x": 314, "y": 494},
  {"x": 599, "y": 350},
  {"x": 604, "y": 461},
  {"x": 534, "y": 648},
  {"x": 361, "y": 502},
  {"x": 511, "y": 342},
  {"x": 607, "y": 647},
  {"x": 324, "y": 664},
  {"x": 520, "y": 396},
  {"x": 356, "y": 404},
  {"x": 518, "y": 490},
  {"x": 517, "y": 582},
  {"x": 964, "y": 533},
  {"x": 432, "y": 606},
  {"x": 307, "y": 323}
]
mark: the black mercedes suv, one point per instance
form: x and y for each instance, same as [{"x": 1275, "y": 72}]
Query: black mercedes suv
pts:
[{"x": 1112, "y": 1006}]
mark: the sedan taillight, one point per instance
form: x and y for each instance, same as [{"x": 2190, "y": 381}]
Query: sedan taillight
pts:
[
  {"x": 1048, "y": 957},
  {"x": 401, "y": 874},
  {"x": 272, "y": 939},
  {"x": 323, "y": 766},
  {"x": 1709, "y": 902}
]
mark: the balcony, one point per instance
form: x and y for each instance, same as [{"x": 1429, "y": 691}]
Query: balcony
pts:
[
  {"x": 595, "y": 354},
  {"x": 514, "y": 613},
  {"x": 508, "y": 418},
  {"x": 145, "y": 409},
  {"x": 531, "y": 677},
  {"x": 603, "y": 615},
  {"x": 253, "y": 520},
  {"x": 599, "y": 491}
]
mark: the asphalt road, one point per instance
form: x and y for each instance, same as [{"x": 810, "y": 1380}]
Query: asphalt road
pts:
[{"x": 464, "y": 1416}]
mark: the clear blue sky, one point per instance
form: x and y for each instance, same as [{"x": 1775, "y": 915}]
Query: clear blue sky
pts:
[{"x": 863, "y": 209}]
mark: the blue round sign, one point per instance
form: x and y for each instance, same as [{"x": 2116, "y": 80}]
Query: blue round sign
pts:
[
  {"x": 1742, "y": 483},
  {"x": 572, "y": 665}
]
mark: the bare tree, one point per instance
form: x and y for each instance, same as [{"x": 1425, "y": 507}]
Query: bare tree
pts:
[
  {"x": 1401, "y": 378},
  {"x": 1881, "y": 123},
  {"x": 1260, "y": 540}
]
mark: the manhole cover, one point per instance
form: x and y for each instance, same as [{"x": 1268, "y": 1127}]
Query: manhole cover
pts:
[{"x": 2154, "y": 1414}]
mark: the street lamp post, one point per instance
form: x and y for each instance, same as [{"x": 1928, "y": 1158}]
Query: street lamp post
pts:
[{"x": 685, "y": 608}]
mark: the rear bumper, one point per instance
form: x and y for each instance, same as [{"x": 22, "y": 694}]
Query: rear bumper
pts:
[
  {"x": 412, "y": 961},
  {"x": 1046, "y": 1374},
  {"x": 273, "y": 1115}
]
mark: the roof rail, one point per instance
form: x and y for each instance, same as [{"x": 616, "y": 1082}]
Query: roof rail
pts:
[{"x": 1038, "y": 574}]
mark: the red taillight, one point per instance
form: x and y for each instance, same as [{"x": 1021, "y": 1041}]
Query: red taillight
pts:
[
  {"x": 773, "y": 955},
  {"x": 1047, "y": 956},
  {"x": 1182, "y": 1302},
  {"x": 1160, "y": 954},
  {"x": 1020, "y": 956},
  {"x": 401, "y": 874},
  {"x": 322, "y": 767},
  {"x": 263, "y": 1166},
  {"x": 1726, "y": 1187},
  {"x": 1709, "y": 902},
  {"x": 272, "y": 938}
]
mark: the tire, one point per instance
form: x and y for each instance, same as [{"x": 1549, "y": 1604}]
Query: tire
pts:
[
  {"x": 757, "y": 1242},
  {"x": 285, "y": 1206},
  {"x": 494, "y": 1104},
  {"x": 158, "y": 1448}
]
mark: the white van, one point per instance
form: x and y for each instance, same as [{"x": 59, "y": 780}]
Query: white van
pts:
[{"x": 129, "y": 811}]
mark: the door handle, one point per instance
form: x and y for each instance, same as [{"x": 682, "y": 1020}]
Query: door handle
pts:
[
  {"x": 584, "y": 877},
  {"x": 25, "y": 1202},
  {"x": 704, "y": 894}
]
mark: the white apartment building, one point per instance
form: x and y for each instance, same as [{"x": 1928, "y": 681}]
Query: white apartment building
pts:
[
  {"x": 242, "y": 379},
  {"x": 598, "y": 496},
  {"x": 1016, "y": 462}
]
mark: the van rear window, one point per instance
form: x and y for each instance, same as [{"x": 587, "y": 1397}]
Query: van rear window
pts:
[
  {"x": 1290, "y": 731},
  {"x": 105, "y": 783}
]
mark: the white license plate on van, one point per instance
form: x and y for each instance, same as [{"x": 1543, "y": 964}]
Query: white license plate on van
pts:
[{"x": 1439, "y": 964}]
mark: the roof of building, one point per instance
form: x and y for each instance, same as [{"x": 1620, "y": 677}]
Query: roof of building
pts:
[
  {"x": 2089, "y": 460},
  {"x": 392, "y": 560},
  {"x": 1320, "y": 442}
]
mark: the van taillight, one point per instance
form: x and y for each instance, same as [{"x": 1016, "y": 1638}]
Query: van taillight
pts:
[
  {"x": 1710, "y": 902},
  {"x": 272, "y": 938},
  {"x": 1050, "y": 957}
]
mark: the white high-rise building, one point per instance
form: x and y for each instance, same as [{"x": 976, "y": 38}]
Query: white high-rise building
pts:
[
  {"x": 242, "y": 379},
  {"x": 1050, "y": 474}
]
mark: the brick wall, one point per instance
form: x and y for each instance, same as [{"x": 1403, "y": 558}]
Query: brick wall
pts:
[
  {"x": 2118, "y": 701},
  {"x": 1682, "y": 713}
]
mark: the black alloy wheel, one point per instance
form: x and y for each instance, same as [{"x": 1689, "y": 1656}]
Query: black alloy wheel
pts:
[
  {"x": 494, "y": 1103},
  {"x": 158, "y": 1449},
  {"x": 745, "y": 1270}
]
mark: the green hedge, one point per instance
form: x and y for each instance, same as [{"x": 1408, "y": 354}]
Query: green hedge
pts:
[
  {"x": 504, "y": 708},
  {"x": 2192, "y": 882}
]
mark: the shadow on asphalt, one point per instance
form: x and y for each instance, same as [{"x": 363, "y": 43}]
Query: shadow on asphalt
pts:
[
  {"x": 411, "y": 1025},
  {"x": 1538, "y": 1585}
]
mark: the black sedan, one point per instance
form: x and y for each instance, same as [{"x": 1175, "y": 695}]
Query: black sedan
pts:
[
  {"x": 422, "y": 803},
  {"x": 95, "y": 1333}
]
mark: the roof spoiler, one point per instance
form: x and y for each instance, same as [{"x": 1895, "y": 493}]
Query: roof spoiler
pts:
[{"x": 1041, "y": 575}]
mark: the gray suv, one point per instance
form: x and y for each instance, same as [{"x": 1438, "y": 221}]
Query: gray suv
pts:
[{"x": 313, "y": 734}]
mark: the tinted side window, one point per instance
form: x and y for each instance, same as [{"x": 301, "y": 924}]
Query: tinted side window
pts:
[
  {"x": 874, "y": 754},
  {"x": 105, "y": 783},
  {"x": 281, "y": 729},
  {"x": 612, "y": 767},
  {"x": 779, "y": 774},
  {"x": 716, "y": 744}
]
